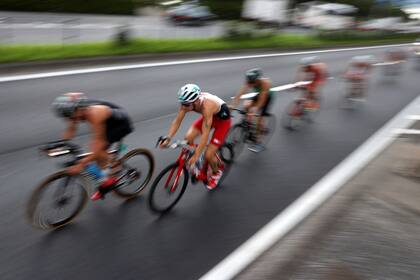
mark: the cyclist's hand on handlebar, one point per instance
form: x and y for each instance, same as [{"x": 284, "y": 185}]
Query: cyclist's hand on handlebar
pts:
[{"x": 163, "y": 142}]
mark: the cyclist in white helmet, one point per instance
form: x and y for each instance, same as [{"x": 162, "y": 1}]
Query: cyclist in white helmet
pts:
[
  {"x": 214, "y": 115},
  {"x": 314, "y": 71},
  {"x": 357, "y": 74}
]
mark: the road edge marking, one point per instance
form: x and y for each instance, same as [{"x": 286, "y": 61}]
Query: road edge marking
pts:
[
  {"x": 295, "y": 213},
  {"x": 14, "y": 78}
]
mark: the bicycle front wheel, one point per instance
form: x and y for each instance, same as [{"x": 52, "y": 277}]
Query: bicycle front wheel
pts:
[
  {"x": 57, "y": 200},
  {"x": 268, "y": 130},
  {"x": 168, "y": 188},
  {"x": 137, "y": 170},
  {"x": 292, "y": 116}
]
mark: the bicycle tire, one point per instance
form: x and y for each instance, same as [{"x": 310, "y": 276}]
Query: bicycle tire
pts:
[
  {"x": 270, "y": 126},
  {"x": 226, "y": 153},
  {"x": 236, "y": 139},
  {"x": 154, "y": 206},
  {"x": 291, "y": 121},
  {"x": 123, "y": 191},
  {"x": 35, "y": 198},
  {"x": 228, "y": 164}
]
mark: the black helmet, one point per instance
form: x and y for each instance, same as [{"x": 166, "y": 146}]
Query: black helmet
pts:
[{"x": 253, "y": 75}]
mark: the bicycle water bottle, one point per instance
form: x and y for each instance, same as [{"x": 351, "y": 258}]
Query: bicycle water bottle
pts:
[
  {"x": 123, "y": 148},
  {"x": 94, "y": 170}
]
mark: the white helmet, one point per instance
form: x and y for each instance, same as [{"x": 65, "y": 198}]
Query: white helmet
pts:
[
  {"x": 306, "y": 61},
  {"x": 189, "y": 93}
]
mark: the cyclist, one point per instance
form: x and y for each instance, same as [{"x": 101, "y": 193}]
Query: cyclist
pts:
[
  {"x": 357, "y": 74},
  {"x": 109, "y": 123},
  {"x": 393, "y": 61},
  {"x": 259, "y": 104},
  {"x": 316, "y": 73},
  {"x": 214, "y": 114}
]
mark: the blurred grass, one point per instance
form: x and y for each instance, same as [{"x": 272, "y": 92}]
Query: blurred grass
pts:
[{"x": 150, "y": 46}]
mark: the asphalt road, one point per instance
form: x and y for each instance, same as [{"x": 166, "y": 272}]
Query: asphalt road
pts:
[
  {"x": 117, "y": 240},
  {"x": 41, "y": 28}
]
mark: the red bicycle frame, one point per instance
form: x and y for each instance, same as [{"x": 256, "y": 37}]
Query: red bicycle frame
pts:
[{"x": 181, "y": 161}]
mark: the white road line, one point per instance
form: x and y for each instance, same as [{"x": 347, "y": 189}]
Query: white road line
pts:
[
  {"x": 243, "y": 256},
  {"x": 414, "y": 117},
  {"x": 387, "y": 63},
  {"x": 407, "y": 131},
  {"x": 177, "y": 62},
  {"x": 279, "y": 88}
]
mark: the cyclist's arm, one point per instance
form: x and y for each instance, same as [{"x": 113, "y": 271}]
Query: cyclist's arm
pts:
[
  {"x": 206, "y": 127},
  {"x": 300, "y": 75},
  {"x": 238, "y": 95},
  {"x": 176, "y": 122},
  {"x": 262, "y": 99},
  {"x": 70, "y": 130},
  {"x": 98, "y": 142}
]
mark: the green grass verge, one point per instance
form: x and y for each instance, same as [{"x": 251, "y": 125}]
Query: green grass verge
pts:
[{"x": 149, "y": 46}]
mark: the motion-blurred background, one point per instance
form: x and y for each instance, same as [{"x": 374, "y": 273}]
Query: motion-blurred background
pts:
[{"x": 64, "y": 21}]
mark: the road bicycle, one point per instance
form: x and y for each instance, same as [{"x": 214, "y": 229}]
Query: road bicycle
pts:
[
  {"x": 300, "y": 112},
  {"x": 171, "y": 183},
  {"x": 355, "y": 94},
  {"x": 60, "y": 197},
  {"x": 246, "y": 132}
]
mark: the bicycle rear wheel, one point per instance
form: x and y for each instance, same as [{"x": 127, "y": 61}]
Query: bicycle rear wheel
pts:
[
  {"x": 226, "y": 153},
  {"x": 137, "y": 170},
  {"x": 168, "y": 188},
  {"x": 226, "y": 163},
  {"x": 236, "y": 140},
  {"x": 48, "y": 205}
]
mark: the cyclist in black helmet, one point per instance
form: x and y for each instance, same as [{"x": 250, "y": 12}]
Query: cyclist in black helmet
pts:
[
  {"x": 259, "y": 105},
  {"x": 109, "y": 123}
]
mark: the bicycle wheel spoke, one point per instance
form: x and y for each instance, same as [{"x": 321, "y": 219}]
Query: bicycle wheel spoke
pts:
[{"x": 56, "y": 201}]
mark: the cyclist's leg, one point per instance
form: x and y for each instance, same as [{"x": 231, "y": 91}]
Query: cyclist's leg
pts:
[
  {"x": 221, "y": 129},
  {"x": 210, "y": 156},
  {"x": 194, "y": 131},
  {"x": 248, "y": 105},
  {"x": 260, "y": 119}
]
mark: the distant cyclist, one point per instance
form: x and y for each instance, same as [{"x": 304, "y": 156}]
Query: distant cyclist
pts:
[
  {"x": 357, "y": 73},
  {"x": 393, "y": 61},
  {"x": 258, "y": 105},
  {"x": 109, "y": 123},
  {"x": 315, "y": 73},
  {"x": 214, "y": 115}
]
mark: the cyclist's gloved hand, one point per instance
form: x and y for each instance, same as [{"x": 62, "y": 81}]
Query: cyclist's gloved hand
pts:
[
  {"x": 52, "y": 145},
  {"x": 163, "y": 141}
]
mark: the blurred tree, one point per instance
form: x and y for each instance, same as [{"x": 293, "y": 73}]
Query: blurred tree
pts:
[
  {"x": 225, "y": 9},
  {"x": 73, "y": 6}
]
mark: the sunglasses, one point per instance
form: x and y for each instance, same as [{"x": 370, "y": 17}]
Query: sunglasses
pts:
[{"x": 186, "y": 104}]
